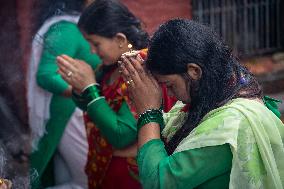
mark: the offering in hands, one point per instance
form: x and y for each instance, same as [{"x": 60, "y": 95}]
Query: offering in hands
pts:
[{"x": 134, "y": 53}]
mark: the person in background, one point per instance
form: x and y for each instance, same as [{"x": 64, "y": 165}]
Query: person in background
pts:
[
  {"x": 228, "y": 138},
  {"x": 59, "y": 144}
]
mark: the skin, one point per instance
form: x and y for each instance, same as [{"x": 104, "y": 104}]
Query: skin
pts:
[
  {"x": 68, "y": 91},
  {"x": 146, "y": 93},
  {"x": 5, "y": 184},
  {"x": 108, "y": 49}
]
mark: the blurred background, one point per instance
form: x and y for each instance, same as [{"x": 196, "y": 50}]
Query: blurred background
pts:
[{"x": 253, "y": 28}]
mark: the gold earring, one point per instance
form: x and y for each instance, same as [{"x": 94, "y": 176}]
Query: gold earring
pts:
[
  {"x": 130, "y": 46},
  {"x": 120, "y": 46}
]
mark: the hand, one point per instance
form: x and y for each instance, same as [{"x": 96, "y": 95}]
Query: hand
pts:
[
  {"x": 75, "y": 72},
  {"x": 143, "y": 88},
  {"x": 5, "y": 184}
]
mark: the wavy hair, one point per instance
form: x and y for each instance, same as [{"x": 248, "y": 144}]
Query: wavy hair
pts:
[{"x": 179, "y": 42}]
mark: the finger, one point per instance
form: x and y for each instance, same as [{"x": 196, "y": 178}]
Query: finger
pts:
[
  {"x": 137, "y": 64},
  {"x": 131, "y": 70},
  {"x": 72, "y": 61},
  {"x": 126, "y": 75},
  {"x": 64, "y": 76},
  {"x": 64, "y": 66},
  {"x": 140, "y": 59}
]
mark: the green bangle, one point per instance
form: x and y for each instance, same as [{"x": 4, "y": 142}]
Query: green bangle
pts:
[
  {"x": 91, "y": 93},
  {"x": 151, "y": 115}
]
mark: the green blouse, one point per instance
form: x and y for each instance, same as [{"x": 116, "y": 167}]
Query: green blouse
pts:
[{"x": 207, "y": 167}]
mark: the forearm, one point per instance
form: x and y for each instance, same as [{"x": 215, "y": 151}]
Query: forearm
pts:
[
  {"x": 148, "y": 132},
  {"x": 118, "y": 127},
  {"x": 52, "y": 82}
]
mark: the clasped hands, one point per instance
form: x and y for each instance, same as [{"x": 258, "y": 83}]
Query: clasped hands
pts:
[
  {"x": 143, "y": 89},
  {"x": 75, "y": 72}
]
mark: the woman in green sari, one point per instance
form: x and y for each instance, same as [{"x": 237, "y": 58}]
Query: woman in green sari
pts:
[{"x": 227, "y": 139}]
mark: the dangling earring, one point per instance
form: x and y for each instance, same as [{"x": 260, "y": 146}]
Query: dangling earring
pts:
[
  {"x": 130, "y": 47},
  {"x": 130, "y": 51}
]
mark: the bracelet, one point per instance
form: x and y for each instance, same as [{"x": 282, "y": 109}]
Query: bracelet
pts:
[
  {"x": 96, "y": 84},
  {"x": 150, "y": 115},
  {"x": 91, "y": 93},
  {"x": 94, "y": 100}
]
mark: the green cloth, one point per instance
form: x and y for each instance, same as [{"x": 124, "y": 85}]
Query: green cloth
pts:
[
  {"x": 119, "y": 128},
  {"x": 62, "y": 38},
  {"x": 188, "y": 169},
  {"x": 272, "y": 104},
  {"x": 255, "y": 136}
]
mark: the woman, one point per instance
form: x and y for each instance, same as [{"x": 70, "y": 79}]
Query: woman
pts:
[
  {"x": 111, "y": 125},
  {"x": 52, "y": 164},
  {"x": 228, "y": 139}
]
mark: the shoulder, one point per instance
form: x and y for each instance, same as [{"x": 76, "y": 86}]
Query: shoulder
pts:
[
  {"x": 63, "y": 25},
  {"x": 63, "y": 29}
]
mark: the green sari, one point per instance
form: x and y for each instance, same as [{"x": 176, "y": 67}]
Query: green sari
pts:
[{"x": 254, "y": 137}]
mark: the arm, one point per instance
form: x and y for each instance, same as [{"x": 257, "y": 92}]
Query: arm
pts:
[
  {"x": 187, "y": 169},
  {"x": 61, "y": 38},
  {"x": 118, "y": 127}
]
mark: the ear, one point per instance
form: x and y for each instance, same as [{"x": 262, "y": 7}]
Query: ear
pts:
[
  {"x": 194, "y": 71},
  {"x": 121, "y": 40}
]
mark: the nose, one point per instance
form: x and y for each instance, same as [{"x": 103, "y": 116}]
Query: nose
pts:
[{"x": 93, "y": 50}]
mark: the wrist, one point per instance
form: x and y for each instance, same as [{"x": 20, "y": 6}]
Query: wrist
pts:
[
  {"x": 92, "y": 84},
  {"x": 91, "y": 93},
  {"x": 150, "y": 116}
]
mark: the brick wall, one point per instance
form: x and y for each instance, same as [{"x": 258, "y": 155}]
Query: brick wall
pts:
[{"x": 155, "y": 12}]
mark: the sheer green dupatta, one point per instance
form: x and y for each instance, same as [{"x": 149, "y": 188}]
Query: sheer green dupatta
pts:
[{"x": 255, "y": 135}]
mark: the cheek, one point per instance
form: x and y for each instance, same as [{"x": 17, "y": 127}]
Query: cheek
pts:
[{"x": 180, "y": 92}]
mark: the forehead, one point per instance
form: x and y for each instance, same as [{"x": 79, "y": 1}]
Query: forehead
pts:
[{"x": 96, "y": 38}]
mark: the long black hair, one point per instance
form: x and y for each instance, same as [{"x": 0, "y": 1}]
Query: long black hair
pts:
[
  {"x": 109, "y": 17},
  {"x": 179, "y": 42}
]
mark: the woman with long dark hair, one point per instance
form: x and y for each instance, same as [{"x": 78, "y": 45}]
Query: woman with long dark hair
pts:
[
  {"x": 111, "y": 29},
  {"x": 59, "y": 143},
  {"x": 228, "y": 138}
]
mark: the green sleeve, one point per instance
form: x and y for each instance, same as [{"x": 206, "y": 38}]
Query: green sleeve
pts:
[
  {"x": 62, "y": 38},
  {"x": 118, "y": 127},
  {"x": 186, "y": 169}
]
